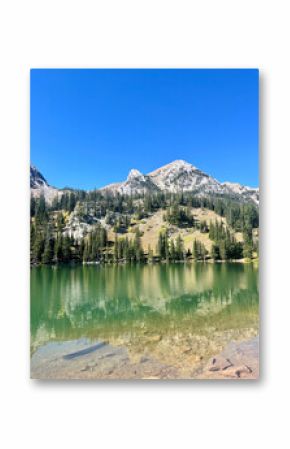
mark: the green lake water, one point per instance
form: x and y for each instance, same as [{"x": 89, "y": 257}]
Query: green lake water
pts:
[{"x": 201, "y": 305}]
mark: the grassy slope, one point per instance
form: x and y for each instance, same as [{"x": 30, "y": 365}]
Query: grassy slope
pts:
[{"x": 152, "y": 226}]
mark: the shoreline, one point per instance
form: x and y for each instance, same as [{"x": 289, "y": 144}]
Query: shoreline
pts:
[{"x": 163, "y": 262}]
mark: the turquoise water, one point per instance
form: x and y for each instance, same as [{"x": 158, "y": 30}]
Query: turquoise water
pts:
[{"x": 132, "y": 303}]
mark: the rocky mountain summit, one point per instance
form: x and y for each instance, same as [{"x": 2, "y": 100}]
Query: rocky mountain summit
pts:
[
  {"x": 37, "y": 180},
  {"x": 176, "y": 177},
  {"x": 39, "y": 185},
  {"x": 180, "y": 176},
  {"x": 135, "y": 184}
]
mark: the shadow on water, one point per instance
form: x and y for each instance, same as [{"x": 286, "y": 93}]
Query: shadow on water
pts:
[{"x": 85, "y": 351}]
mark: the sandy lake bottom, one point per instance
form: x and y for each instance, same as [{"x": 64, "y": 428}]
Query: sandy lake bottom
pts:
[{"x": 145, "y": 322}]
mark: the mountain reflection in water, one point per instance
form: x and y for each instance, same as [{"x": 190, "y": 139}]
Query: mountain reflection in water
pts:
[{"x": 114, "y": 301}]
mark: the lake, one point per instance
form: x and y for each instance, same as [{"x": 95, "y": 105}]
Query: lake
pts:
[{"x": 138, "y": 321}]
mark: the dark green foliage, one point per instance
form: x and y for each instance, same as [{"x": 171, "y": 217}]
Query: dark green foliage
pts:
[
  {"x": 163, "y": 245},
  {"x": 238, "y": 215},
  {"x": 215, "y": 252},
  {"x": 59, "y": 223},
  {"x": 41, "y": 215},
  {"x": 179, "y": 249},
  {"x": 179, "y": 216},
  {"x": 93, "y": 247},
  {"x": 48, "y": 252},
  {"x": 121, "y": 223},
  {"x": 241, "y": 217},
  {"x": 58, "y": 249},
  {"x": 170, "y": 249},
  {"x": 199, "y": 251},
  {"x": 150, "y": 254},
  {"x": 37, "y": 246},
  {"x": 67, "y": 201},
  {"x": 128, "y": 251},
  {"x": 248, "y": 243},
  {"x": 66, "y": 248},
  {"x": 225, "y": 246},
  {"x": 32, "y": 206},
  {"x": 117, "y": 210},
  {"x": 203, "y": 227}
]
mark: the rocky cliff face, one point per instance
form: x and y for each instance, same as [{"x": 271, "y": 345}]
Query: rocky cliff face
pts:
[
  {"x": 136, "y": 183},
  {"x": 39, "y": 185},
  {"x": 246, "y": 192},
  {"x": 37, "y": 180},
  {"x": 181, "y": 176}
]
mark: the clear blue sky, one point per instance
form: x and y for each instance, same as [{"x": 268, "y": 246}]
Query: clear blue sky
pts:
[{"x": 90, "y": 127}]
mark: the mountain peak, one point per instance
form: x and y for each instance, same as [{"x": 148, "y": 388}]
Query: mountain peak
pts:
[
  {"x": 133, "y": 174},
  {"x": 37, "y": 180},
  {"x": 175, "y": 177},
  {"x": 180, "y": 163},
  {"x": 180, "y": 175},
  {"x": 175, "y": 166}
]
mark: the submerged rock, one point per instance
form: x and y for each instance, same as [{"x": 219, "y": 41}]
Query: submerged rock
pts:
[{"x": 237, "y": 361}]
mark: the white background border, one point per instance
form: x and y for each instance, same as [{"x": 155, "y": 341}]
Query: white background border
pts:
[{"x": 144, "y": 34}]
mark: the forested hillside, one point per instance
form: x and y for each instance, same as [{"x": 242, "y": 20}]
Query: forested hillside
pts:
[{"x": 109, "y": 227}]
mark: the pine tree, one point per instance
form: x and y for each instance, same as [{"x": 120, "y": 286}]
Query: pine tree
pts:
[
  {"x": 203, "y": 251},
  {"x": 172, "y": 250},
  {"x": 103, "y": 238},
  {"x": 93, "y": 252},
  {"x": 188, "y": 253},
  {"x": 81, "y": 248},
  {"x": 38, "y": 246},
  {"x": 32, "y": 206},
  {"x": 194, "y": 249},
  {"x": 161, "y": 246},
  {"x": 138, "y": 250},
  {"x": 126, "y": 249},
  {"x": 116, "y": 248},
  {"x": 58, "y": 250},
  {"x": 222, "y": 250},
  {"x": 150, "y": 254},
  {"x": 215, "y": 252},
  {"x": 166, "y": 247},
  {"x": 66, "y": 248},
  {"x": 120, "y": 249},
  {"x": 48, "y": 252},
  {"x": 179, "y": 248},
  {"x": 86, "y": 253},
  {"x": 203, "y": 227},
  {"x": 248, "y": 249},
  {"x": 59, "y": 223},
  {"x": 32, "y": 235},
  {"x": 71, "y": 202},
  {"x": 41, "y": 212}
]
